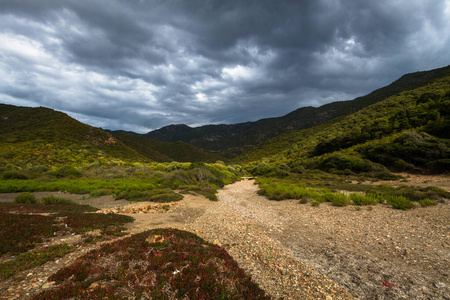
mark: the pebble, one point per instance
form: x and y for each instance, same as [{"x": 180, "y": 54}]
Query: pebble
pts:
[{"x": 439, "y": 285}]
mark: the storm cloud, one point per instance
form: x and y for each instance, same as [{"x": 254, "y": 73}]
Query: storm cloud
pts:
[{"x": 141, "y": 65}]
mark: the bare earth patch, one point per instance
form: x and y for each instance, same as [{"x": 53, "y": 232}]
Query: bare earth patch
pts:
[{"x": 295, "y": 250}]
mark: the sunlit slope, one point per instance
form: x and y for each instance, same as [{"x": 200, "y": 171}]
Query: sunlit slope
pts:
[
  {"x": 45, "y": 136},
  {"x": 407, "y": 131}
]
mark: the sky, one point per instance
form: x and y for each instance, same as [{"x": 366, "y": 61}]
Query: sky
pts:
[{"x": 141, "y": 65}]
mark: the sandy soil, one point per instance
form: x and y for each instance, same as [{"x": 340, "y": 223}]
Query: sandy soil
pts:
[{"x": 376, "y": 253}]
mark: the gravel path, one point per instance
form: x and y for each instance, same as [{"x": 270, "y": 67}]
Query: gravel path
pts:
[
  {"x": 375, "y": 253},
  {"x": 242, "y": 224}
]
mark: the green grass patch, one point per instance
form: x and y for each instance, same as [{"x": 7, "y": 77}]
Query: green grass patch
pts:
[
  {"x": 275, "y": 190},
  {"x": 323, "y": 187}
]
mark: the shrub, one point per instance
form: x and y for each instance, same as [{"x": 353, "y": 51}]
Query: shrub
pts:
[
  {"x": 66, "y": 171},
  {"x": 386, "y": 175},
  {"x": 399, "y": 202},
  {"x": 427, "y": 202},
  {"x": 367, "y": 199},
  {"x": 338, "y": 161},
  {"x": 13, "y": 175},
  {"x": 315, "y": 203},
  {"x": 337, "y": 199},
  {"x": 25, "y": 198}
]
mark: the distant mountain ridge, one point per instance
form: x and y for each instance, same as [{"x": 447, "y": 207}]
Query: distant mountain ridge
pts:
[{"x": 232, "y": 140}]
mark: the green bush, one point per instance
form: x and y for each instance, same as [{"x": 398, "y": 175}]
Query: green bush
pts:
[
  {"x": 399, "y": 202},
  {"x": 66, "y": 171},
  {"x": 427, "y": 202},
  {"x": 337, "y": 199},
  {"x": 13, "y": 175},
  {"x": 25, "y": 198},
  {"x": 368, "y": 199},
  {"x": 340, "y": 163}
]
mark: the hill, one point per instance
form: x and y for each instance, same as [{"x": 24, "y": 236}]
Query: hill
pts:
[
  {"x": 235, "y": 139},
  {"x": 44, "y": 136},
  {"x": 405, "y": 132}
]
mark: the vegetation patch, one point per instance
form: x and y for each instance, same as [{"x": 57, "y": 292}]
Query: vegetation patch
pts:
[
  {"x": 327, "y": 190},
  {"x": 25, "y": 198},
  {"x": 52, "y": 200},
  {"x": 81, "y": 223},
  {"x": 156, "y": 195},
  {"x": 33, "y": 259},
  {"x": 61, "y": 209},
  {"x": 156, "y": 264},
  {"x": 20, "y": 233},
  {"x": 13, "y": 175}
]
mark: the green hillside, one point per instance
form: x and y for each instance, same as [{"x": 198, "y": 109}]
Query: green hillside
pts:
[
  {"x": 42, "y": 136},
  {"x": 166, "y": 152},
  {"x": 408, "y": 131},
  {"x": 235, "y": 139}
]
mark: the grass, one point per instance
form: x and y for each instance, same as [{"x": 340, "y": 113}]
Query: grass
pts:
[
  {"x": 156, "y": 264},
  {"x": 134, "y": 182},
  {"x": 328, "y": 190}
]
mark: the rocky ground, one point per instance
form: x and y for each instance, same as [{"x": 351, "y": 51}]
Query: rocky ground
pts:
[{"x": 295, "y": 250}]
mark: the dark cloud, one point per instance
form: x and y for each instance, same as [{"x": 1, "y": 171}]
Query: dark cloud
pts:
[{"x": 141, "y": 65}]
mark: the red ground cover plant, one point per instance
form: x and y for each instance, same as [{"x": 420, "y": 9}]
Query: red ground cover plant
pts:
[
  {"x": 20, "y": 233},
  {"x": 42, "y": 208},
  {"x": 81, "y": 223},
  {"x": 156, "y": 264}
]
